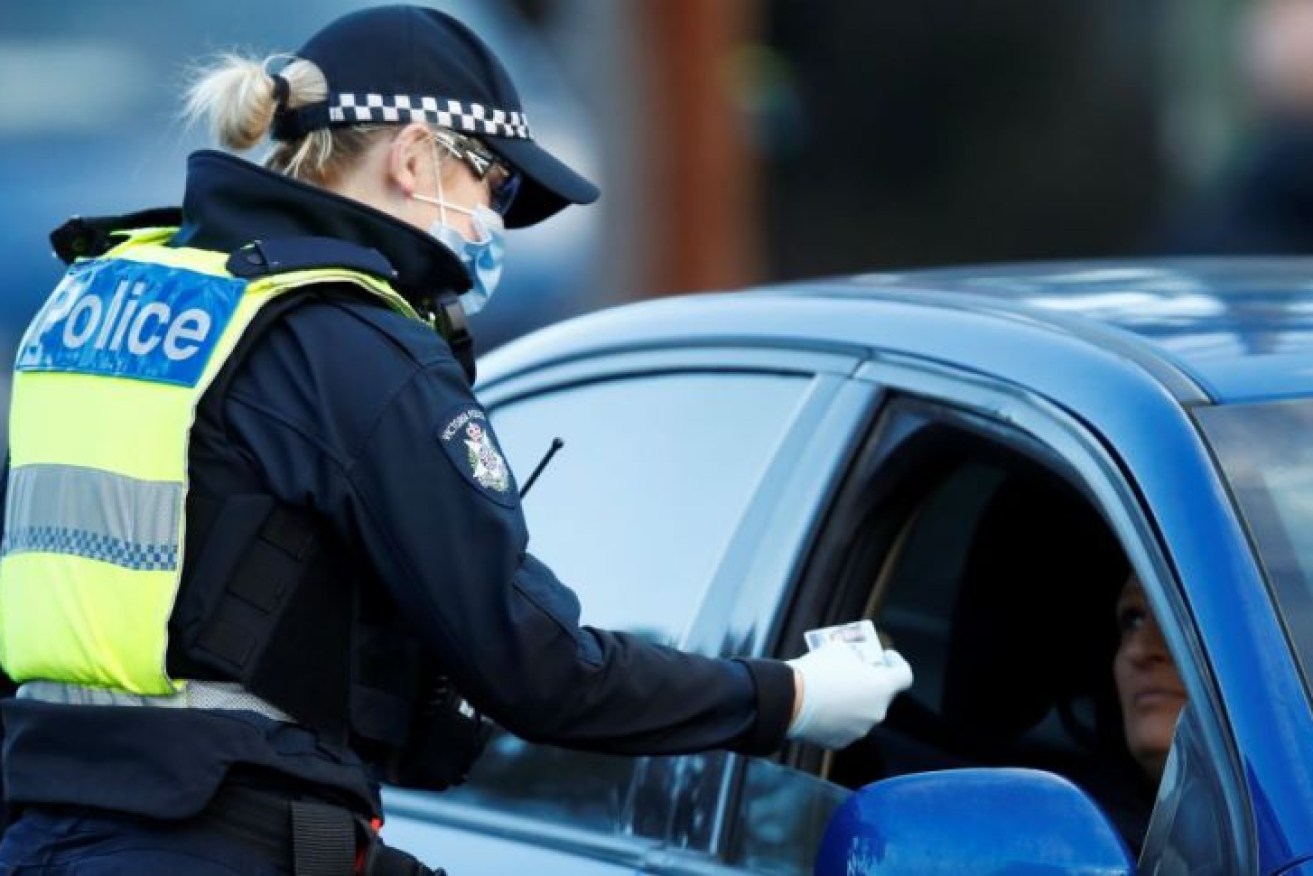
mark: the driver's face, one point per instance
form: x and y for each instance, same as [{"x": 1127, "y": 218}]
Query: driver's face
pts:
[{"x": 1148, "y": 685}]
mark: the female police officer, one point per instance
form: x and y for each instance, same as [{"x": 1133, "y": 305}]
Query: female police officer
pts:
[{"x": 257, "y": 528}]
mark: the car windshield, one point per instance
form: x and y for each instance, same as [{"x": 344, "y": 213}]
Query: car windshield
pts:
[{"x": 1267, "y": 458}]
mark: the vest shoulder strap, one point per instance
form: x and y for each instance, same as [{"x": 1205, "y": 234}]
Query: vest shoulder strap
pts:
[
  {"x": 264, "y": 258},
  {"x": 92, "y": 236}
]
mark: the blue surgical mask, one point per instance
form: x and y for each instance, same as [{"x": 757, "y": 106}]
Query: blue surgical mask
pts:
[{"x": 482, "y": 257}]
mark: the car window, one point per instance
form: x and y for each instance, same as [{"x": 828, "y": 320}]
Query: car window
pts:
[
  {"x": 633, "y": 513},
  {"x": 635, "y": 509},
  {"x": 1184, "y": 834},
  {"x": 998, "y": 580},
  {"x": 1268, "y": 463},
  {"x": 781, "y": 819}
]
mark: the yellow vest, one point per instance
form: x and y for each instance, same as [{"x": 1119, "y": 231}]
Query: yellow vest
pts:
[{"x": 105, "y": 390}]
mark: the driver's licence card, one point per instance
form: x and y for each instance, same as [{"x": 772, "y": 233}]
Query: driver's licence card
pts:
[{"x": 859, "y": 635}]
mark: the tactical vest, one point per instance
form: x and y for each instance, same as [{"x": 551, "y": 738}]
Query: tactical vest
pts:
[{"x": 107, "y": 382}]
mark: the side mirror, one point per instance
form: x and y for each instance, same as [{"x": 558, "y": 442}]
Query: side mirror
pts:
[{"x": 971, "y": 821}]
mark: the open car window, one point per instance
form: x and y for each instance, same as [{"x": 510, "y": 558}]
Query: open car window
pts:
[{"x": 998, "y": 580}]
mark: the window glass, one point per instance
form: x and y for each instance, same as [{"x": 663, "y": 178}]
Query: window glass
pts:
[
  {"x": 633, "y": 513},
  {"x": 1188, "y": 831},
  {"x": 1268, "y": 462},
  {"x": 781, "y": 819}
]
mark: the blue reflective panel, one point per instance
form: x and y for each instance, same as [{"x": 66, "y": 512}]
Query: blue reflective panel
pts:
[
  {"x": 130, "y": 319},
  {"x": 633, "y": 514}
]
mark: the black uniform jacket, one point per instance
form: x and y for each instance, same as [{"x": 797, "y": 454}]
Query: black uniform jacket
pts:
[{"x": 349, "y": 409}]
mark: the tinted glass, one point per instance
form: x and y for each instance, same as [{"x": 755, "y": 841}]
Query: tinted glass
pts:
[
  {"x": 1267, "y": 458},
  {"x": 633, "y": 514}
]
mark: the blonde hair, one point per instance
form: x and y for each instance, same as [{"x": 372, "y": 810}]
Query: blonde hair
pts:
[{"x": 237, "y": 96}]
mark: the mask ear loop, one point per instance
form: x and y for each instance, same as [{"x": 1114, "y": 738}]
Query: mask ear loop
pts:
[
  {"x": 437, "y": 169},
  {"x": 477, "y": 225}
]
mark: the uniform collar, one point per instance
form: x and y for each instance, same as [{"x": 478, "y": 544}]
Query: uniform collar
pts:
[{"x": 230, "y": 202}]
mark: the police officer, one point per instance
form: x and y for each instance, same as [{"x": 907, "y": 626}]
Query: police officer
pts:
[{"x": 258, "y": 532}]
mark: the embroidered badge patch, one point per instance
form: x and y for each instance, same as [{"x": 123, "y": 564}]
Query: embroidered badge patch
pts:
[{"x": 469, "y": 444}]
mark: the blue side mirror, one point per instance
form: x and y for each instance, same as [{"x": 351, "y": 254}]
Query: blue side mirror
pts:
[{"x": 971, "y": 821}]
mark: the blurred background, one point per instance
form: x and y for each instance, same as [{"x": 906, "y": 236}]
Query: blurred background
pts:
[{"x": 745, "y": 141}]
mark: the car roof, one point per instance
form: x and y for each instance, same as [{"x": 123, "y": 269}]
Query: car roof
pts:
[{"x": 1214, "y": 330}]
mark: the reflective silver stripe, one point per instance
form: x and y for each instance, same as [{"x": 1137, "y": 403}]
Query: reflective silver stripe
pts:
[
  {"x": 197, "y": 695},
  {"x": 86, "y": 512}
]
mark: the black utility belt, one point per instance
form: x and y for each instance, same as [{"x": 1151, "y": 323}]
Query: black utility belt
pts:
[{"x": 307, "y": 837}]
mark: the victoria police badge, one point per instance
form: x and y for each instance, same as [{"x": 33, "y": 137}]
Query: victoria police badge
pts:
[
  {"x": 489, "y": 468},
  {"x": 470, "y": 446}
]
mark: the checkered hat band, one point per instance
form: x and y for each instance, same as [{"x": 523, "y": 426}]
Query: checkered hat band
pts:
[{"x": 349, "y": 108}]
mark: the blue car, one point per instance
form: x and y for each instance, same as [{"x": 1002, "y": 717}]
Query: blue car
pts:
[{"x": 975, "y": 459}]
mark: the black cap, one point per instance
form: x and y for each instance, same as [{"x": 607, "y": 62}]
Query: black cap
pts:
[{"x": 409, "y": 63}]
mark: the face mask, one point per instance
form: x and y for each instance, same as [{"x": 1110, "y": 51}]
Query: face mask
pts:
[{"x": 482, "y": 257}]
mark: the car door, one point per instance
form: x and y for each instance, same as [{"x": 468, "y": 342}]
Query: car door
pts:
[
  {"x": 987, "y": 532},
  {"x": 955, "y": 479},
  {"x": 675, "y": 466}
]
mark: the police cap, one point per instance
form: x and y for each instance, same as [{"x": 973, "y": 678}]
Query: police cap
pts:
[{"x": 398, "y": 64}]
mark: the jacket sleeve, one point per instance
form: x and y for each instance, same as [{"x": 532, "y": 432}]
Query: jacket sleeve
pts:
[
  {"x": 425, "y": 493},
  {"x": 452, "y": 546}
]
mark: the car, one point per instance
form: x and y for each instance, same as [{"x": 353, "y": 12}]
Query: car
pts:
[{"x": 963, "y": 456}]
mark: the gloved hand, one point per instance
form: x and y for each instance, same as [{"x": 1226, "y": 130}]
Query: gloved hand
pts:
[{"x": 843, "y": 696}]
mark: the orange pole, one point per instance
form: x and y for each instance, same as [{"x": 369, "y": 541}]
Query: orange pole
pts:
[{"x": 703, "y": 176}]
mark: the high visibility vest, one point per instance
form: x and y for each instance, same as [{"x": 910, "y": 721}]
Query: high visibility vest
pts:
[{"x": 106, "y": 385}]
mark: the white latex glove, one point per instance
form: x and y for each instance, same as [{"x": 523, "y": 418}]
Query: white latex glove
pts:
[{"x": 843, "y": 696}]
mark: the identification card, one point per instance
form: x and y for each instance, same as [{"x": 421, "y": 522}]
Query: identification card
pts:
[{"x": 859, "y": 635}]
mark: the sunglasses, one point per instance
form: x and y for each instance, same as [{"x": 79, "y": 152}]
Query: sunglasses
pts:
[{"x": 503, "y": 182}]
